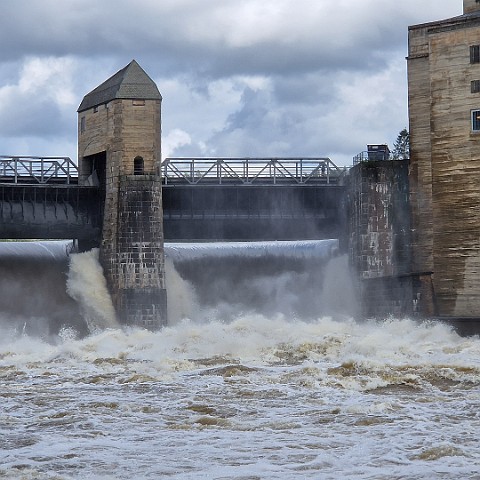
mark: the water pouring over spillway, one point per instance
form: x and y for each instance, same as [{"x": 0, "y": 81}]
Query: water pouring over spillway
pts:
[{"x": 47, "y": 287}]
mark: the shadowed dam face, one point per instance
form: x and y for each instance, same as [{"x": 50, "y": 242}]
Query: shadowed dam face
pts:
[
  {"x": 46, "y": 290},
  {"x": 34, "y": 297}
]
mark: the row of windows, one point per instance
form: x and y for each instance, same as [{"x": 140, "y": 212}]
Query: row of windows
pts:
[{"x": 475, "y": 87}]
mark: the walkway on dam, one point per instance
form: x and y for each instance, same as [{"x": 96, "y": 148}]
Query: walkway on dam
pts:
[{"x": 187, "y": 170}]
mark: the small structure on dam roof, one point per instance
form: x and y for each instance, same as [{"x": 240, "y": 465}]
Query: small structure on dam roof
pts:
[
  {"x": 119, "y": 150},
  {"x": 444, "y": 113}
]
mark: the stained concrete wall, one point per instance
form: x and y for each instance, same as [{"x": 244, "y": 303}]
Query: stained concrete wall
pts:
[{"x": 379, "y": 237}]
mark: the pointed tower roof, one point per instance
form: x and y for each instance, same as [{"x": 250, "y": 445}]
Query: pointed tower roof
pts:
[{"x": 131, "y": 82}]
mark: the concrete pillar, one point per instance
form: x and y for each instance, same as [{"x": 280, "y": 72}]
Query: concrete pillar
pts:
[
  {"x": 135, "y": 269},
  {"x": 379, "y": 237}
]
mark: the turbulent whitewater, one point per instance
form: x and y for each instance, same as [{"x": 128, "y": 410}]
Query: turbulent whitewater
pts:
[{"x": 237, "y": 393}]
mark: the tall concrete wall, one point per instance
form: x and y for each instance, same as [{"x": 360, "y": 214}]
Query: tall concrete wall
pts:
[
  {"x": 445, "y": 159},
  {"x": 419, "y": 100}
]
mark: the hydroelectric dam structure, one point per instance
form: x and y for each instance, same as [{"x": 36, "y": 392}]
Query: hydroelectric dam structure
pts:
[
  {"x": 204, "y": 200},
  {"x": 123, "y": 199}
]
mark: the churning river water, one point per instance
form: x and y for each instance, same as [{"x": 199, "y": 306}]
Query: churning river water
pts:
[{"x": 231, "y": 393}]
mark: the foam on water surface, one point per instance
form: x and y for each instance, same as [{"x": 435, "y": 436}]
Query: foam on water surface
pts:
[
  {"x": 228, "y": 392},
  {"x": 257, "y": 396}
]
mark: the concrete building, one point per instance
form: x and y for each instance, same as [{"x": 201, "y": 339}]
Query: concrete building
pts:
[
  {"x": 119, "y": 126},
  {"x": 444, "y": 112}
]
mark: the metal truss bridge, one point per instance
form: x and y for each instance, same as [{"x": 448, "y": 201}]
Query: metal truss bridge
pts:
[
  {"x": 37, "y": 170},
  {"x": 190, "y": 171},
  {"x": 203, "y": 199},
  {"x": 251, "y": 171}
]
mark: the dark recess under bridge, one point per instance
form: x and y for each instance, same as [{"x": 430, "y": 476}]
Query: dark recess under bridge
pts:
[{"x": 203, "y": 199}]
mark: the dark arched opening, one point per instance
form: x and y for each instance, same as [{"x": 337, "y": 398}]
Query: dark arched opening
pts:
[{"x": 138, "y": 167}]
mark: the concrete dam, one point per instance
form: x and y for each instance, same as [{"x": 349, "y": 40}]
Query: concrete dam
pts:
[{"x": 123, "y": 200}]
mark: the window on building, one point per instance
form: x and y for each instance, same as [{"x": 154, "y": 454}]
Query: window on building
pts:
[
  {"x": 82, "y": 124},
  {"x": 475, "y": 86},
  {"x": 95, "y": 109},
  {"x": 476, "y": 120},
  {"x": 475, "y": 54},
  {"x": 138, "y": 103},
  {"x": 138, "y": 165}
]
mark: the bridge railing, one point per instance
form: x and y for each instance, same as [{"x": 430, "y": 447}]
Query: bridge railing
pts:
[
  {"x": 250, "y": 171},
  {"x": 25, "y": 169}
]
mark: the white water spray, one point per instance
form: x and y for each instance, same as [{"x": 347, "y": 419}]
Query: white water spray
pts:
[
  {"x": 87, "y": 285},
  {"x": 181, "y": 297}
]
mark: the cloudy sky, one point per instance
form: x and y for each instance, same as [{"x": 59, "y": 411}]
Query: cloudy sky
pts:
[{"x": 238, "y": 77}]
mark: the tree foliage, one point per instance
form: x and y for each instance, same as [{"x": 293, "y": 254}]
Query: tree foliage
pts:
[{"x": 401, "y": 147}]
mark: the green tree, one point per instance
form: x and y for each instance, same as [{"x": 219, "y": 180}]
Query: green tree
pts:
[{"x": 401, "y": 148}]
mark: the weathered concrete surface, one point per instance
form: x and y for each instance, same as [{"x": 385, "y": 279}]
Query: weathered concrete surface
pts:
[
  {"x": 445, "y": 160},
  {"x": 379, "y": 236}
]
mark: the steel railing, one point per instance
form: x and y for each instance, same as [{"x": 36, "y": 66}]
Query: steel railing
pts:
[
  {"x": 371, "y": 156},
  {"x": 251, "y": 171},
  {"x": 25, "y": 169},
  {"x": 192, "y": 171}
]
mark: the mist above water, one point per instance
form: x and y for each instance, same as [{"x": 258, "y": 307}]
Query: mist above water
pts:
[
  {"x": 228, "y": 287},
  {"x": 34, "y": 298}
]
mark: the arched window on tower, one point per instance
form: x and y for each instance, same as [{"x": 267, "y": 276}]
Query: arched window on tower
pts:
[{"x": 138, "y": 167}]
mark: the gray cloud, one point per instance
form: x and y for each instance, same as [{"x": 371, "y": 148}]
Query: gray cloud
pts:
[{"x": 289, "y": 77}]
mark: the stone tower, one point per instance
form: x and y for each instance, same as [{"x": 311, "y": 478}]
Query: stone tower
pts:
[{"x": 119, "y": 127}]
